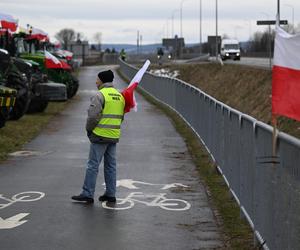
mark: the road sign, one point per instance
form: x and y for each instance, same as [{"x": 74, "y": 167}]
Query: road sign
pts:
[{"x": 271, "y": 22}]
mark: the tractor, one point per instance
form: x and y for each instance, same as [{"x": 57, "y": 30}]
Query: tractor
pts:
[
  {"x": 25, "y": 76},
  {"x": 32, "y": 46},
  {"x": 7, "y": 95}
]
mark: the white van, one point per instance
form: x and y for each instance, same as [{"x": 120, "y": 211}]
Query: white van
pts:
[{"x": 230, "y": 49}]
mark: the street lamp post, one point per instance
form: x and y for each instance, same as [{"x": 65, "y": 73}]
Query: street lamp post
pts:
[
  {"x": 174, "y": 11},
  {"x": 217, "y": 30},
  {"x": 200, "y": 24},
  {"x": 181, "y": 4},
  {"x": 200, "y": 20}
]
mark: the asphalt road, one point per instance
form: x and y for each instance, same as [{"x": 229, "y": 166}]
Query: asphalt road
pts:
[
  {"x": 253, "y": 61},
  {"x": 250, "y": 61},
  {"x": 154, "y": 212}
]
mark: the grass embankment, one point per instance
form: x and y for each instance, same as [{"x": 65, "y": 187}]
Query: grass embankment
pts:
[
  {"x": 16, "y": 133},
  {"x": 244, "y": 88},
  {"x": 236, "y": 231}
]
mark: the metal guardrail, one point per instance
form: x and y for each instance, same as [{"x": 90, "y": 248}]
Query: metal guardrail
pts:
[{"x": 267, "y": 189}]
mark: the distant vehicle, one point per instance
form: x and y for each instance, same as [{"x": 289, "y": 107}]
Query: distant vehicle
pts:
[
  {"x": 160, "y": 54},
  {"x": 230, "y": 49}
]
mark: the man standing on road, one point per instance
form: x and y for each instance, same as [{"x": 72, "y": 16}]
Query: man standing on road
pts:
[{"x": 105, "y": 115}]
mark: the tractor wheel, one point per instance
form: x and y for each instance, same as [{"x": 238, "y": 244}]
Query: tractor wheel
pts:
[
  {"x": 2, "y": 120},
  {"x": 72, "y": 87},
  {"x": 4, "y": 115},
  {"x": 22, "y": 85},
  {"x": 75, "y": 85},
  {"x": 36, "y": 105}
]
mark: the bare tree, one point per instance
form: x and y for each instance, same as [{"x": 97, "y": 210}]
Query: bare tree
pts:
[
  {"x": 262, "y": 41},
  {"x": 65, "y": 36},
  {"x": 98, "y": 39},
  {"x": 80, "y": 37}
]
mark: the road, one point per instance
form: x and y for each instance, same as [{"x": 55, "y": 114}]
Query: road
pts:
[
  {"x": 252, "y": 61},
  {"x": 166, "y": 205}
]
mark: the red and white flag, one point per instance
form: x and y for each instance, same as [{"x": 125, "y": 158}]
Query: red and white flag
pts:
[
  {"x": 128, "y": 93},
  {"x": 7, "y": 22},
  {"x": 286, "y": 75},
  {"x": 52, "y": 62},
  {"x": 38, "y": 34}
]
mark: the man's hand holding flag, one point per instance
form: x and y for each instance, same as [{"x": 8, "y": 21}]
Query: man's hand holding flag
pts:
[{"x": 128, "y": 93}]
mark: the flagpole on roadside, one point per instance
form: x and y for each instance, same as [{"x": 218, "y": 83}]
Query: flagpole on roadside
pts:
[
  {"x": 274, "y": 137},
  {"x": 274, "y": 117}
]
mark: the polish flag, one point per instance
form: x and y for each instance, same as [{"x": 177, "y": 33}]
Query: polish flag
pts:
[
  {"x": 128, "y": 93},
  {"x": 64, "y": 65},
  {"x": 286, "y": 75},
  {"x": 7, "y": 22},
  {"x": 51, "y": 61},
  {"x": 38, "y": 34},
  {"x": 65, "y": 53}
]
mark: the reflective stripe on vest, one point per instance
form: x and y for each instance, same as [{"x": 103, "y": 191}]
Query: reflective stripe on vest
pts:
[{"x": 109, "y": 125}]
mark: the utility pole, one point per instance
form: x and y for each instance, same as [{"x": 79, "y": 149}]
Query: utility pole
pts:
[
  {"x": 217, "y": 30},
  {"x": 141, "y": 43},
  {"x": 200, "y": 19},
  {"x": 137, "y": 42}
]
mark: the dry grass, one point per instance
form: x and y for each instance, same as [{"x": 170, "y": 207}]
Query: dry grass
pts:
[
  {"x": 16, "y": 133},
  {"x": 246, "y": 89}
]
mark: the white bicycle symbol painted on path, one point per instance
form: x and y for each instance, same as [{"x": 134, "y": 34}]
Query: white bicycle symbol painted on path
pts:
[
  {"x": 158, "y": 200},
  {"x": 17, "y": 219},
  {"x": 131, "y": 184},
  {"x": 20, "y": 197}
]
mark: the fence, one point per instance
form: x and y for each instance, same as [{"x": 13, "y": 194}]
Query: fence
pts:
[{"x": 267, "y": 189}]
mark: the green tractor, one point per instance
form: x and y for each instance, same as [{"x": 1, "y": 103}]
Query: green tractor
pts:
[
  {"x": 32, "y": 47},
  {"x": 7, "y": 102},
  {"x": 25, "y": 76},
  {"x": 34, "y": 90},
  {"x": 15, "y": 89}
]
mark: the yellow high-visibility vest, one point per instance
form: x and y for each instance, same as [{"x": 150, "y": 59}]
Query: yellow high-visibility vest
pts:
[{"x": 109, "y": 125}]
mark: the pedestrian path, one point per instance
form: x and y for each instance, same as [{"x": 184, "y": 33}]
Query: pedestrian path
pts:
[{"x": 161, "y": 202}]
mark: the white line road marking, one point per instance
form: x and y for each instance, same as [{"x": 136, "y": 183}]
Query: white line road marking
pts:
[
  {"x": 20, "y": 197},
  {"x": 130, "y": 184},
  {"x": 13, "y": 221},
  {"x": 151, "y": 200}
]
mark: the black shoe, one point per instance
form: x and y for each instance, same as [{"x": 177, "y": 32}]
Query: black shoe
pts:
[
  {"x": 82, "y": 198},
  {"x": 107, "y": 198}
]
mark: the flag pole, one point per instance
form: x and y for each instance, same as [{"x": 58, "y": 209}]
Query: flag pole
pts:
[{"x": 274, "y": 139}]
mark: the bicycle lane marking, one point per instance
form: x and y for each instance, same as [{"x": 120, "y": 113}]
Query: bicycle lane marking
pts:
[
  {"x": 16, "y": 220},
  {"x": 130, "y": 184},
  {"x": 157, "y": 199}
]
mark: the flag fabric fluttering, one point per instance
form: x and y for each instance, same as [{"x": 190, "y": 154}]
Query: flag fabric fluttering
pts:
[
  {"x": 7, "y": 22},
  {"x": 53, "y": 62},
  {"x": 128, "y": 93},
  {"x": 38, "y": 34},
  {"x": 286, "y": 75}
]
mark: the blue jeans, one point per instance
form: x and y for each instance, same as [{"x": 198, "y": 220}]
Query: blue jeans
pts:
[{"x": 97, "y": 151}]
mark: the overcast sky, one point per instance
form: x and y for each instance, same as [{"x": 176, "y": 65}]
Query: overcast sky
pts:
[{"x": 119, "y": 20}]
